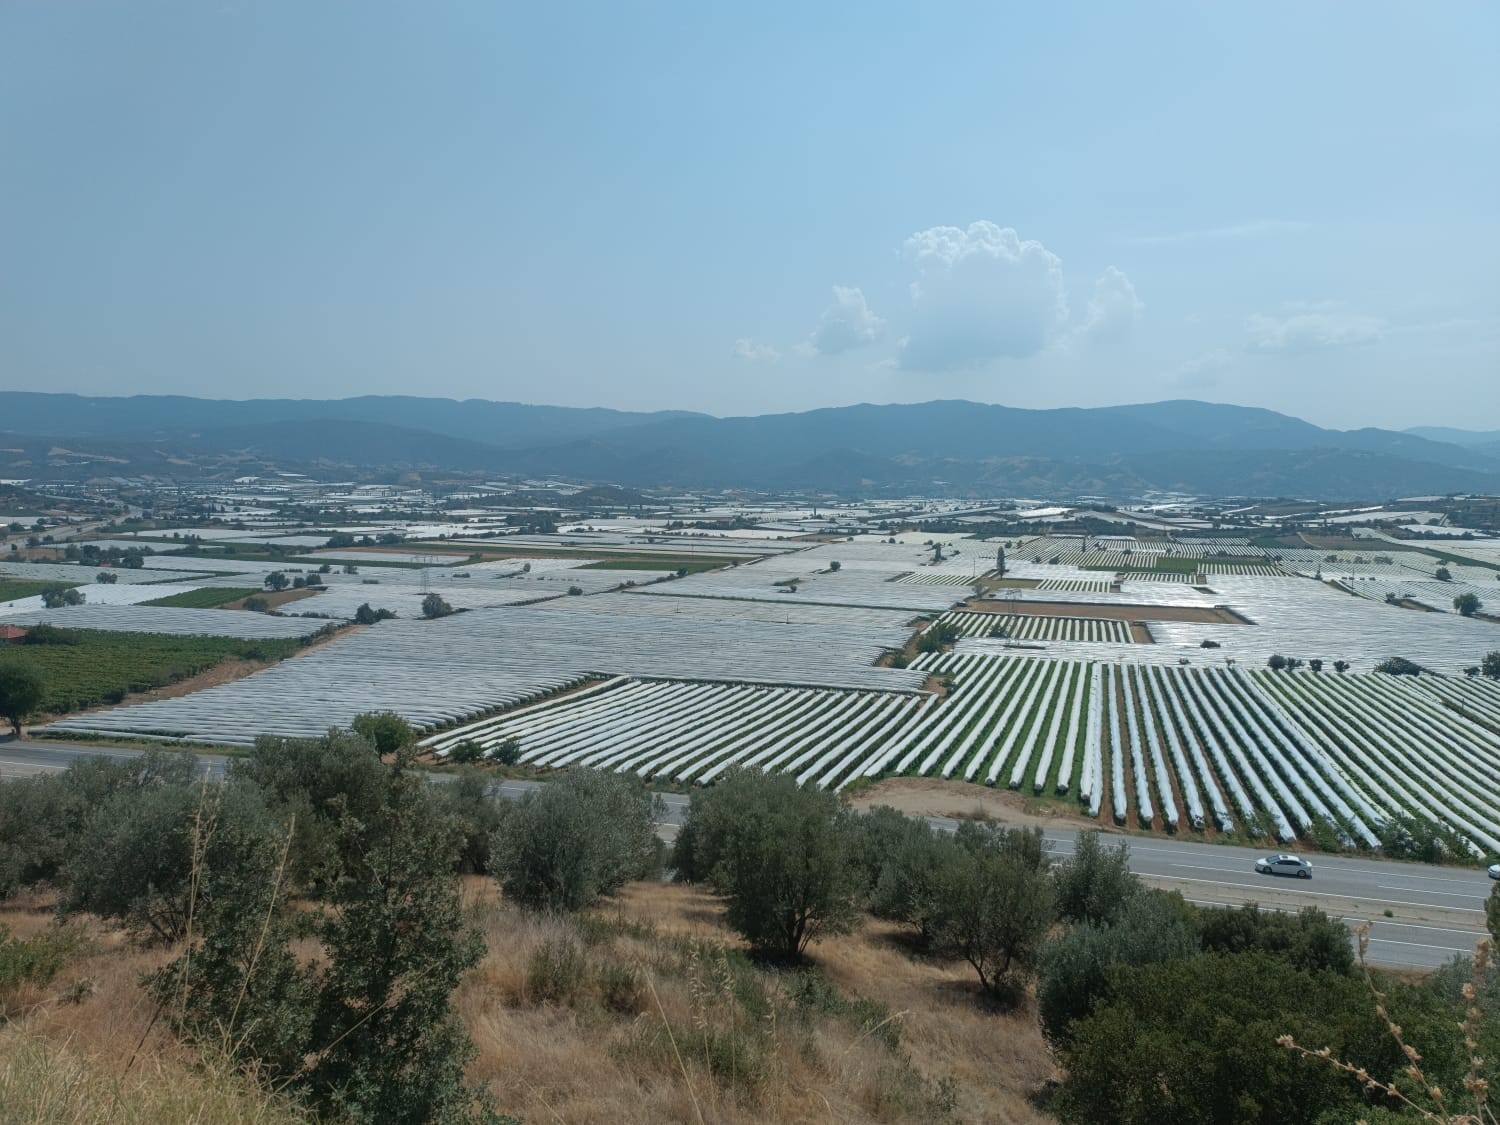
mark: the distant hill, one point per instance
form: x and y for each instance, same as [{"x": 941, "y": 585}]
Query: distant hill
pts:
[{"x": 941, "y": 447}]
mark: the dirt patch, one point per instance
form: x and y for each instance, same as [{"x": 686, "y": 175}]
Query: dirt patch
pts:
[
  {"x": 1213, "y": 615},
  {"x": 930, "y": 796},
  {"x": 277, "y": 599},
  {"x": 1140, "y": 634}
]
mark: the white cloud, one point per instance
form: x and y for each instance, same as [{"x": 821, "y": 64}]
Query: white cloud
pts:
[
  {"x": 751, "y": 352},
  {"x": 1113, "y": 307},
  {"x": 981, "y": 294},
  {"x": 1312, "y": 329},
  {"x": 846, "y": 324}
]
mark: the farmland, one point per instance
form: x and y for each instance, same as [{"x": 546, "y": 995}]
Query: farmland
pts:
[
  {"x": 12, "y": 589},
  {"x": 1136, "y": 693},
  {"x": 84, "y": 668},
  {"x": 206, "y": 597}
]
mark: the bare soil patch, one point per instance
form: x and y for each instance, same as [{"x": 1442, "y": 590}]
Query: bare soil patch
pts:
[
  {"x": 931, "y": 796},
  {"x": 274, "y": 599}
]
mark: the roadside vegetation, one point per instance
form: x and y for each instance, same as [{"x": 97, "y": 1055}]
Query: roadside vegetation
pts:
[{"x": 328, "y": 936}]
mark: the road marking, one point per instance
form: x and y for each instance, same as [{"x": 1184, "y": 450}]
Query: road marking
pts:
[
  {"x": 1413, "y": 944},
  {"x": 1298, "y": 891},
  {"x": 1424, "y": 890}
]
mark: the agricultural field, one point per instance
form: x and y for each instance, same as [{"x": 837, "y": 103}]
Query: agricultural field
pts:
[
  {"x": 780, "y": 663},
  {"x": 207, "y": 597},
  {"x": 84, "y": 668},
  {"x": 1030, "y": 627},
  {"x": 13, "y": 589}
]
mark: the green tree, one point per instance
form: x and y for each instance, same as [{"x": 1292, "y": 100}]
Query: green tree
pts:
[
  {"x": 387, "y": 731},
  {"x": 901, "y": 855},
  {"x": 477, "y": 813},
  {"x": 276, "y": 581},
  {"x": 1443, "y": 574},
  {"x": 1492, "y": 914},
  {"x": 992, "y": 909},
  {"x": 579, "y": 838},
  {"x": 318, "y": 784},
  {"x": 785, "y": 858},
  {"x": 238, "y": 988},
  {"x": 1096, "y": 884},
  {"x": 434, "y": 606},
  {"x": 106, "y": 577},
  {"x": 22, "y": 691},
  {"x": 1468, "y": 604},
  {"x": 141, "y": 856},
  {"x": 368, "y": 615},
  {"x": 56, "y": 597},
  {"x": 387, "y": 1045},
  {"x": 1489, "y": 667}
]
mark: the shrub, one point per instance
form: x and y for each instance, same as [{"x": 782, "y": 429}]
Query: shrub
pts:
[
  {"x": 557, "y": 973},
  {"x": 1399, "y": 666},
  {"x": 1073, "y": 968}
]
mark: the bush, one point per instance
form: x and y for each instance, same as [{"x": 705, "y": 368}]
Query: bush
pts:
[
  {"x": 477, "y": 815},
  {"x": 557, "y": 973},
  {"x": 582, "y": 837},
  {"x": 367, "y": 615},
  {"x": 1399, "y": 666},
  {"x": 1197, "y": 1041},
  {"x": 1073, "y": 968},
  {"x": 34, "y": 961},
  {"x": 785, "y": 857},
  {"x": 434, "y": 606},
  {"x": 1309, "y": 941}
]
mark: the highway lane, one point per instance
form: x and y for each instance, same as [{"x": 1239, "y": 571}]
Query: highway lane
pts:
[{"x": 1434, "y": 912}]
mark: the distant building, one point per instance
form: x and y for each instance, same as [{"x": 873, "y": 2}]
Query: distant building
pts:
[{"x": 11, "y": 634}]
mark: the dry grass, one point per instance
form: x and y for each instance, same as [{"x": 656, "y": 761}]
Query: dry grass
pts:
[
  {"x": 85, "y": 1048},
  {"x": 728, "y": 1058},
  {"x": 645, "y": 1010}
]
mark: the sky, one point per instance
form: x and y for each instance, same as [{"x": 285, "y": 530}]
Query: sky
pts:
[{"x": 753, "y": 208}]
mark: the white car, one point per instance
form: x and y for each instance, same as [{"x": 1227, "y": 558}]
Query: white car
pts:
[
  {"x": 1292, "y": 865},
  {"x": 1495, "y": 871}
]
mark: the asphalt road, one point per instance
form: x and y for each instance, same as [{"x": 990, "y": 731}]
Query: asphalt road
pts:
[{"x": 1420, "y": 916}]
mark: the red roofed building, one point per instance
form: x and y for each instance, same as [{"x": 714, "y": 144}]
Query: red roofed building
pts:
[{"x": 11, "y": 634}]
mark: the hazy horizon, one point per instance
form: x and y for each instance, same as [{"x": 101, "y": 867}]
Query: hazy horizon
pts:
[{"x": 741, "y": 211}]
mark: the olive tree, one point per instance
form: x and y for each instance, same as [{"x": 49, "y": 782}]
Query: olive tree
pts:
[
  {"x": 22, "y": 691},
  {"x": 582, "y": 837},
  {"x": 784, "y": 857}
]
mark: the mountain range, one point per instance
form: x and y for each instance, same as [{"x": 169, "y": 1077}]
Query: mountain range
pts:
[{"x": 952, "y": 447}]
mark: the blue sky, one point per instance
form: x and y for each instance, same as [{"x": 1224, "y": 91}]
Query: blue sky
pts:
[{"x": 757, "y": 208}]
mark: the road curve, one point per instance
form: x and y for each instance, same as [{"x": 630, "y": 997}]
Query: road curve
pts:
[{"x": 1420, "y": 915}]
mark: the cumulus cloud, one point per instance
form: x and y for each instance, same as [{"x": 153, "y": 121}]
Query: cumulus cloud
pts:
[
  {"x": 1311, "y": 330},
  {"x": 1113, "y": 307},
  {"x": 846, "y": 324},
  {"x": 981, "y": 294},
  {"x": 751, "y": 352}
]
